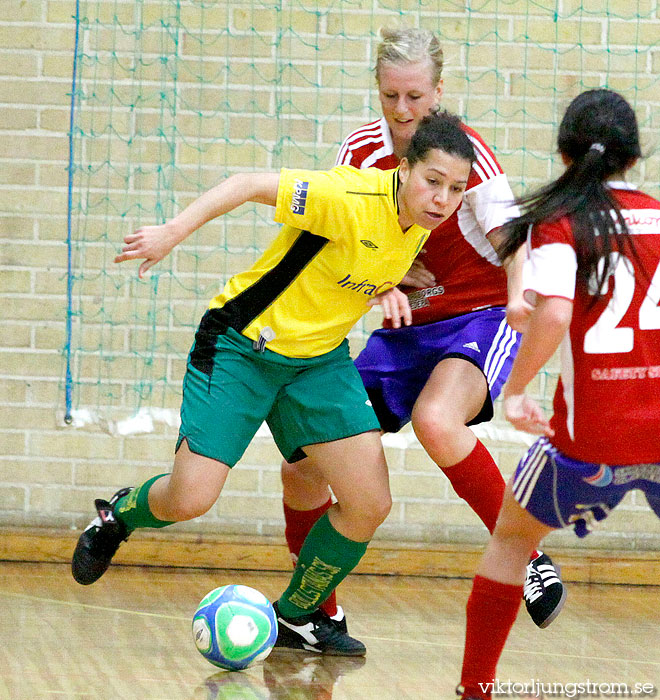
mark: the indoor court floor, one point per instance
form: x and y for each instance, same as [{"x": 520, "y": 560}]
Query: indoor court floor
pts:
[{"x": 128, "y": 637}]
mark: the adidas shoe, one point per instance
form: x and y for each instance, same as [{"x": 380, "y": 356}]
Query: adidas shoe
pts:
[
  {"x": 544, "y": 593},
  {"x": 99, "y": 542},
  {"x": 316, "y": 633}
]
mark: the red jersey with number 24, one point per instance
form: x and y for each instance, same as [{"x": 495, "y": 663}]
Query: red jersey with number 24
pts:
[{"x": 607, "y": 402}]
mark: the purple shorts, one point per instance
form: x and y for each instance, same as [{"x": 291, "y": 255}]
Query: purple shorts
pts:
[
  {"x": 562, "y": 492},
  {"x": 396, "y": 363}
]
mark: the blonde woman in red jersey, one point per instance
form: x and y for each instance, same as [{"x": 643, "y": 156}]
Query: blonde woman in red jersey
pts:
[
  {"x": 593, "y": 244},
  {"x": 446, "y": 368}
]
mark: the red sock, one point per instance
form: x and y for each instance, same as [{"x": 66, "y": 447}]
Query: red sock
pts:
[
  {"x": 478, "y": 480},
  {"x": 298, "y": 523},
  {"x": 491, "y": 611}
]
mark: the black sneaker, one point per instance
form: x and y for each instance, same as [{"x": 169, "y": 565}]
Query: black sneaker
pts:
[
  {"x": 544, "y": 593},
  {"x": 99, "y": 542},
  {"x": 315, "y": 633}
]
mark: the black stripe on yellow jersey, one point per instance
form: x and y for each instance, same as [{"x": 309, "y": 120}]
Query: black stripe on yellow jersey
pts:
[{"x": 312, "y": 284}]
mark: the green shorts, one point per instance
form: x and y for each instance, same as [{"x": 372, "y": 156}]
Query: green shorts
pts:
[{"x": 230, "y": 389}]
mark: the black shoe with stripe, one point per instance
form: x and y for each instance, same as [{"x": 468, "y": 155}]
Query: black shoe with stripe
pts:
[
  {"x": 316, "y": 633},
  {"x": 544, "y": 593},
  {"x": 99, "y": 542}
]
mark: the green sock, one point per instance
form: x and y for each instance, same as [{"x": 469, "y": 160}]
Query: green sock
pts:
[
  {"x": 133, "y": 509},
  {"x": 325, "y": 559}
]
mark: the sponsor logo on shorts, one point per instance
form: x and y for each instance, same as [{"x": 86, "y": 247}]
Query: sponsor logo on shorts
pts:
[
  {"x": 602, "y": 477},
  {"x": 368, "y": 244},
  {"x": 299, "y": 196},
  {"x": 648, "y": 472},
  {"x": 619, "y": 476}
]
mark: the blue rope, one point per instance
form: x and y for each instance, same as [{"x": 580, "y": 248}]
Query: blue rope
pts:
[{"x": 69, "y": 286}]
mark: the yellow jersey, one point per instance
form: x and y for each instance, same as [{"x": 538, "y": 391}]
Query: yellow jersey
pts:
[{"x": 340, "y": 245}]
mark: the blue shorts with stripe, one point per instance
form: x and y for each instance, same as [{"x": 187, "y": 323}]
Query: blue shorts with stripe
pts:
[
  {"x": 397, "y": 362},
  {"x": 562, "y": 492}
]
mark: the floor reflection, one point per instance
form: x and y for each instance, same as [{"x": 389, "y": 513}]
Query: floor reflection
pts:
[{"x": 282, "y": 676}]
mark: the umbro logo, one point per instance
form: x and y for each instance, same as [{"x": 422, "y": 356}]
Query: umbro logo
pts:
[
  {"x": 472, "y": 346},
  {"x": 369, "y": 244}
]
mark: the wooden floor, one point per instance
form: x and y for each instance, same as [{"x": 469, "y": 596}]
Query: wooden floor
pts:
[{"x": 128, "y": 637}]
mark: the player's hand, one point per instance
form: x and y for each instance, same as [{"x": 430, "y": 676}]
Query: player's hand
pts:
[
  {"x": 518, "y": 312},
  {"x": 418, "y": 276},
  {"x": 525, "y": 414},
  {"x": 395, "y": 306},
  {"x": 151, "y": 243}
]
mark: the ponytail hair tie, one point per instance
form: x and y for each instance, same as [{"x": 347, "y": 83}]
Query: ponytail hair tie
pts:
[{"x": 597, "y": 147}]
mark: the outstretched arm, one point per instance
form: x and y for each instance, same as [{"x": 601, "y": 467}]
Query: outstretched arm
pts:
[
  {"x": 153, "y": 243},
  {"x": 517, "y": 308},
  {"x": 547, "y": 327}
]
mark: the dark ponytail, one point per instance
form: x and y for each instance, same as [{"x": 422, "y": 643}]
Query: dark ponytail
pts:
[{"x": 599, "y": 137}]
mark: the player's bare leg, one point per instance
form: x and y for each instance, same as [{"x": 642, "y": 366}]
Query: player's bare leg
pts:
[
  {"x": 452, "y": 396},
  {"x": 303, "y": 485},
  {"x": 191, "y": 489},
  {"x": 356, "y": 470},
  {"x": 516, "y": 535}
]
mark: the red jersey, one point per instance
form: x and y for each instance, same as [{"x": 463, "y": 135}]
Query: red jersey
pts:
[
  {"x": 468, "y": 273},
  {"x": 607, "y": 402}
]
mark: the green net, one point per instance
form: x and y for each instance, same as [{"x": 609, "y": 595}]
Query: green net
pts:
[{"x": 171, "y": 96}]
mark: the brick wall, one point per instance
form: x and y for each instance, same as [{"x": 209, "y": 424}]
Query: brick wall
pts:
[{"x": 49, "y": 473}]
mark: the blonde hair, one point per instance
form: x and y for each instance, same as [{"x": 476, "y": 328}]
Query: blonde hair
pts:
[{"x": 409, "y": 46}]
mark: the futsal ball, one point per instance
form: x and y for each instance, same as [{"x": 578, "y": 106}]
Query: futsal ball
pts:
[{"x": 234, "y": 626}]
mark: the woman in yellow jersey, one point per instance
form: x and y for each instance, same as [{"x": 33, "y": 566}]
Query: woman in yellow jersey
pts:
[
  {"x": 272, "y": 347},
  {"x": 443, "y": 371}
]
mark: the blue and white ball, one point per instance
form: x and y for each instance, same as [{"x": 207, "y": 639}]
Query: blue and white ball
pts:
[{"x": 234, "y": 626}]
